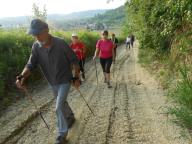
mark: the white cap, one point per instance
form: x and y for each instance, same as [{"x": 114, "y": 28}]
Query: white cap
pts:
[{"x": 74, "y": 35}]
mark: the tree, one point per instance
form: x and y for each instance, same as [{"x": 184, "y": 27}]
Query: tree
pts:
[
  {"x": 99, "y": 26},
  {"x": 37, "y": 13}
]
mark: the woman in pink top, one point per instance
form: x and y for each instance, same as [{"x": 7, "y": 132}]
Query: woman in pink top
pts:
[{"x": 105, "y": 50}]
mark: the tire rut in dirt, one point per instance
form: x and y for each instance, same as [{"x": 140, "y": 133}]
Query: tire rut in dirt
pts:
[
  {"x": 32, "y": 126},
  {"x": 21, "y": 113},
  {"x": 84, "y": 117},
  {"x": 94, "y": 129},
  {"x": 120, "y": 128},
  {"x": 148, "y": 126}
]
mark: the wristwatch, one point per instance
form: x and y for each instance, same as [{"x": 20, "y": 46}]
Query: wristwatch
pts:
[
  {"x": 75, "y": 78},
  {"x": 20, "y": 77}
]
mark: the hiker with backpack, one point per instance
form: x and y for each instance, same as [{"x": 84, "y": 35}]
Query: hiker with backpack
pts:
[
  {"x": 128, "y": 42},
  {"x": 80, "y": 50},
  {"x": 115, "y": 43},
  {"x": 105, "y": 50},
  {"x": 55, "y": 58}
]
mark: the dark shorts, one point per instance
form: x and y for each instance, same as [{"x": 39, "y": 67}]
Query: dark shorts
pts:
[
  {"x": 115, "y": 51},
  {"x": 106, "y": 64},
  {"x": 82, "y": 64}
]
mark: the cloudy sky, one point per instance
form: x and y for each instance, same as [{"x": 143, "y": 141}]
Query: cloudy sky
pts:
[{"x": 13, "y": 8}]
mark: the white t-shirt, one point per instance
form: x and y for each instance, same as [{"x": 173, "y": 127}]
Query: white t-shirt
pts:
[{"x": 128, "y": 40}]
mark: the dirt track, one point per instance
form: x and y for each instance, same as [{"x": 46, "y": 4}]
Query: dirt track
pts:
[{"x": 129, "y": 113}]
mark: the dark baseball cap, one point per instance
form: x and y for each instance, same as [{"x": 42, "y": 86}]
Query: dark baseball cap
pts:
[
  {"x": 105, "y": 32},
  {"x": 37, "y": 26}
]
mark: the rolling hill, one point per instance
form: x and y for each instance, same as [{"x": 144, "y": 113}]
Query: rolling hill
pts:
[
  {"x": 24, "y": 20},
  {"x": 111, "y": 17},
  {"x": 77, "y": 20}
]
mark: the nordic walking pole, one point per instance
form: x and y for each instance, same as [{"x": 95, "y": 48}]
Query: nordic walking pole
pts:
[
  {"x": 114, "y": 59},
  {"x": 113, "y": 69},
  {"x": 30, "y": 98},
  {"x": 85, "y": 101},
  {"x": 82, "y": 63},
  {"x": 96, "y": 71}
]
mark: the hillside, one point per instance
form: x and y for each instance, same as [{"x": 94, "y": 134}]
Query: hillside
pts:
[
  {"x": 55, "y": 18},
  {"x": 111, "y": 17},
  {"x": 95, "y": 19},
  {"x": 76, "y": 15}
]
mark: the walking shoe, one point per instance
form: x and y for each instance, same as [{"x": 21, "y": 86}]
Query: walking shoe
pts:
[
  {"x": 61, "y": 140},
  {"x": 109, "y": 85},
  {"x": 83, "y": 75},
  {"x": 82, "y": 79}
]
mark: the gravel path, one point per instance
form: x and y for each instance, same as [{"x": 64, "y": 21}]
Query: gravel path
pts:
[{"x": 129, "y": 113}]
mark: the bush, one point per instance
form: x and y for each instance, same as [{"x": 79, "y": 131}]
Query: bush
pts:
[
  {"x": 163, "y": 28},
  {"x": 88, "y": 38},
  {"x": 182, "y": 95},
  {"x": 14, "y": 51}
]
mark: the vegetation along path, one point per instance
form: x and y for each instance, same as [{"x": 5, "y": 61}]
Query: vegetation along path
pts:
[{"x": 129, "y": 113}]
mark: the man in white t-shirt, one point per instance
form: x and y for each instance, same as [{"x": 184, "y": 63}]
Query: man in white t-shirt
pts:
[{"x": 128, "y": 42}]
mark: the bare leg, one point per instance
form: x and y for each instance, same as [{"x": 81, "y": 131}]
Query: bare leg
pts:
[
  {"x": 105, "y": 77},
  {"x": 108, "y": 80},
  {"x": 108, "y": 77}
]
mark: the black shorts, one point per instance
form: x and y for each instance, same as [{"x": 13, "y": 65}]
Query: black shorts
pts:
[
  {"x": 81, "y": 64},
  {"x": 106, "y": 64},
  {"x": 115, "y": 51}
]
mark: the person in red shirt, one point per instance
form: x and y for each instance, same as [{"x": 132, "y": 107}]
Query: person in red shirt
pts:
[
  {"x": 105, "y": 50},
  {"x": 80, "y": 50}
]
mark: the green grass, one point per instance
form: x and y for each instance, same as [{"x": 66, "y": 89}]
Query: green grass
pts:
[
  {"x": 182, "y": 94},
  {"x": 15, "y": 48},
  {"x": 88, "y": 38},
  {"x": 146, "y": 56},
  {"x": 14, "y": 51},
  {"x": 165, "y": 28},
  {"x": 175, "y": 78}
]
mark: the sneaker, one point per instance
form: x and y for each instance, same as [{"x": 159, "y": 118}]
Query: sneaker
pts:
[
  {"x": 61, "y": 140},
  {"x": 83, "y": 75},
  {"x": 82, "y": 79},
  {"x": 109, "y": 85}
]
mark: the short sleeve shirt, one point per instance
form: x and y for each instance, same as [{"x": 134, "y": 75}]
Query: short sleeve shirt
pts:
[
  {"x": 105, "y": 47},
  {"x": 78, "y": 49}
]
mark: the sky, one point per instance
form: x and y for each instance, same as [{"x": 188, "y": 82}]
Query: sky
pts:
[{"x": 14, "y": 8}]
